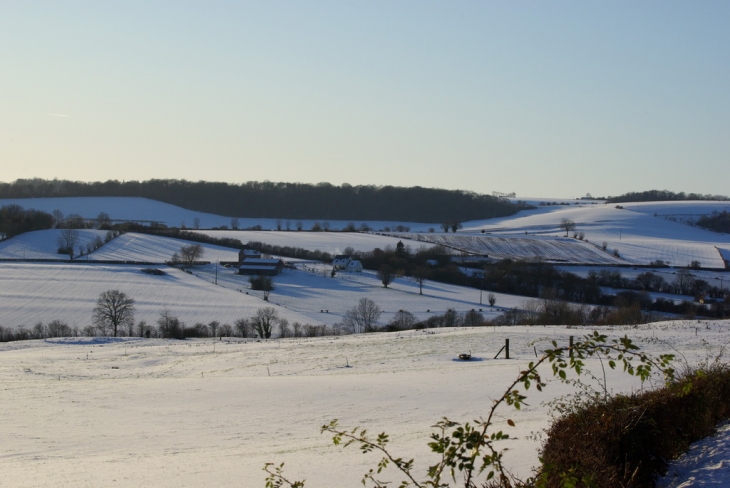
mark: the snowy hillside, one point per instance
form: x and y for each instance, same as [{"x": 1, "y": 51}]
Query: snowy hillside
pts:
[
  {"x": 331, "y": 242},
  {"x": 43, "y": 244},
  {"x": 44, "y": 292},
  {"x": 166, "y": 413},
  {"x": 156, "y": 249}
]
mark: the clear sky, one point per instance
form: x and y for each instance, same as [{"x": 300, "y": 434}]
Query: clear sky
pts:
[{"x": 543, "y": 98}]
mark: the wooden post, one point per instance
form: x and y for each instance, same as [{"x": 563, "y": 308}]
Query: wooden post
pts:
[
  {"x": 506, "y": 348},
  {"x": 571, "y": 346}
]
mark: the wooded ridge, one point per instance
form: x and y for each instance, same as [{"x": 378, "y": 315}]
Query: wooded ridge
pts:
[{"x": 254, "y": 199}]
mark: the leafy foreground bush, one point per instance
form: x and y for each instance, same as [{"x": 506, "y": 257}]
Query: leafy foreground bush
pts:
[
  {"x": 471, "y": 452},
  {"x": 626, "y": 441}
]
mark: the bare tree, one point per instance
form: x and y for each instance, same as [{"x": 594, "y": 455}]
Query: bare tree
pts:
[
  {"x": 386, "y": 274},
  {"x": 103, "y": 219},
  {"x": 234, "y": 223},
  {"x": 363, "y": 317},
  {"x": 264, "y": 320},
  {"x": 214, "y": 327},
  {"x": 403, "y": 320},
  {"x": 190, "y": 254},
  {"x": 243, "y": 327},
  {"x": 445, "y": 226},
  {"x": 196, "y": 223},
  {"x": 169, "y": 326},
  {"x": 473, "y": 318},
  {"x": 113, "y": 309},
  {"x": 57, "y": 217},
  {"x": 456, "y": 226},
  {"x": 491, "y": 299},
  {"x": 420, "y": 275},
  {"x": 567, "y": 225},
  {"x": 67, "y": 240}
]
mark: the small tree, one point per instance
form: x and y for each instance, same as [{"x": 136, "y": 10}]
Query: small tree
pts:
[
  {"x": 363, "y": 317},
  {"x": 403, "y": 320},
  {"x": 386, "y": 274},
  {"x": 567, "y": 225},
  {"x": 169, "y": 326},
  {"x": 264, "y": 320},
  {"x": 420, "y": 275},
  {"x": 243, "y": 327},
  {"x": 190, "y": 254},
  {"x": 262, "y": 283},
  {"x": 234, "y": 223},
  {"x": 445, "y": 226},
  {"x": 456, "y": 226},
  {"x": 491, "y": 299},
  {"x": 473, "y": 318},
  {"x": 113, "y": 309},
  {"x": 67, "y": 240},
  {"x": 213, "y": 326}
]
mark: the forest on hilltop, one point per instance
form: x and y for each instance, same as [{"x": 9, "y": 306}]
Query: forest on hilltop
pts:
[
  {"x": 662, "y": 196},
  {"x": 285, "y": 200}
]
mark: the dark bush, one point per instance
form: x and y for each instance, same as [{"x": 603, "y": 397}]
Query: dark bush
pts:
[{"x": 626, "y": 441}]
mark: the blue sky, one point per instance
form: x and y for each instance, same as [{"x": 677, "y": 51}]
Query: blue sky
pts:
[{"x": 537, "y": 98}]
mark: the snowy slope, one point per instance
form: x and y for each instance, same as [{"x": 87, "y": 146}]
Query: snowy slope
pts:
[
  {"x": 331, "y": 242},
  {"x": 310, "y": 291},
  {"x": 639, "y": 237},
  {"x": 634, "y": 231},
  {"x": 44, "y": 292},
  {"x": 42, "y": 244},
  {"x": 156, "y": 249},
  {"x": 555, "y": 249},
  {"x": 179, "y": 413}
]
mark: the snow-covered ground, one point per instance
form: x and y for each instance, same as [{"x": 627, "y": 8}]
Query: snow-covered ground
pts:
[
  {"x": 331, "y": 242},
  {"x": 130, "y": 413},
  {"x": 43, "y": 244},
  {"x": 639, "y": 232},
  {"x": 156, "y": 249},
  {"x": 311, "y": 291},
  {"x": 704, "y": 465},
  {"x": 32, "y": 292}
]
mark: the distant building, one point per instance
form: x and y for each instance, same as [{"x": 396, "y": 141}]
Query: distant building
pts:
[
  {"x": 261, "y": 267},
  {"x": 344, "y": 262},
  {"x": 340, "y": 261},
  {"x": 248, "y": 253}
]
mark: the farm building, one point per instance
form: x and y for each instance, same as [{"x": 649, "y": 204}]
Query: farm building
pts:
[
  {"x": 261, "y": 266},
  {"x": 344, "y": 262}
]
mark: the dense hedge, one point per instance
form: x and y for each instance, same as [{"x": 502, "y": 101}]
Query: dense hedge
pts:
[{"x": 627, "y": 441}]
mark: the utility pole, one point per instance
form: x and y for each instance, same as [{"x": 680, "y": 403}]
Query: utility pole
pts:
[{"x": 216, "y": 272}]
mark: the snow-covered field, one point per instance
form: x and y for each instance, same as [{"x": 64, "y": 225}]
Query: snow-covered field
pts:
[
  {"x": 554, "y": 249},
  {"x": 156, "y": 249},
  {"x": 331, "y": 242},
  {"x": 639, "y": 232},
  {"x": 34, "y": 292},
  {"x": 43, "y": 244},
  {"x": 130, "y": 413}
]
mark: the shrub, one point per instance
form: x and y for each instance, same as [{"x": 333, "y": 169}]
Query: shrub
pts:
[{"x": 626, "y": 440}]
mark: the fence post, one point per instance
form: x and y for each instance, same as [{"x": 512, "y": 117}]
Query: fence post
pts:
[
  {"x": 571, "y": 346},
  {"x": 506, "y": 348}
]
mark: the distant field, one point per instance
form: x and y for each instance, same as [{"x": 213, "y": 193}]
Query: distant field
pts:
[
  {"x": 33, "y": 292},
  {"x": 557, "y": 250},
  {"x": 331, "y": 242}
]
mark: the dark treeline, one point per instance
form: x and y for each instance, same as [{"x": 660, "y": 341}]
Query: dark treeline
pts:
[
  {"x": 15, "y": 220},
  {"x": 662, "y": 196},
  {"x": 717, "y": 221},
  {"x": 285, "y": 200}
]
